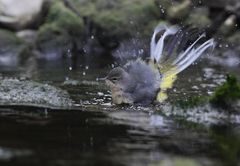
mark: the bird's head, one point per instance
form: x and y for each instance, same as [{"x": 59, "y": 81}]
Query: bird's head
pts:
[
  {"x": 119, "y": 80},
  {"x": 115, "y": 78}
]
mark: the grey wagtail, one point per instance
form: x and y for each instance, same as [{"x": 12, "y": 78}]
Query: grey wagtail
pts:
[{"x": 143, "y": 82}]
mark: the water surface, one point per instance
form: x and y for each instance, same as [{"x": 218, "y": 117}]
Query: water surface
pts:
[{"x": 95, "y": 132}]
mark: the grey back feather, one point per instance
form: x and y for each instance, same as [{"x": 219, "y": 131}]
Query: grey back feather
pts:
[{"x": 146, "y": 81}]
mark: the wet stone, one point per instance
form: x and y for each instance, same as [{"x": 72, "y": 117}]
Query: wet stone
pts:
[{"x": 25, "y": 92}]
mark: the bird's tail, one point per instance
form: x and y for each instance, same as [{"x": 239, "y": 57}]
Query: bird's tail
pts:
[{"x": 174, "y": 51}]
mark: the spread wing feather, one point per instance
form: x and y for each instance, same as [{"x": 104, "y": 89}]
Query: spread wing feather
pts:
[{"x": 174, "y": 51}]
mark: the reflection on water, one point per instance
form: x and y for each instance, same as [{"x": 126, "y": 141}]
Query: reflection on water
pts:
[
  {"x": 31, "y": 136},
  {"x": 97, "y": 133}
]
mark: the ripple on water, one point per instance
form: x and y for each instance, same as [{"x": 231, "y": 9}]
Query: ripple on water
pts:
[{"x": 7, "y": 153}]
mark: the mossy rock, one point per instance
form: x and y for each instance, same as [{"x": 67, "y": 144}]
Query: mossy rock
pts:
[
  {"x": 53, "y": 40},
  {"x": 120, "y": 18},
  {"x": 12, "y": 48},
  {"x": 63, "y": 30},
  {"x": 228, "y": 94},
  {"x": 65, "y": 19},
  {"x": 26, "y": 92}
]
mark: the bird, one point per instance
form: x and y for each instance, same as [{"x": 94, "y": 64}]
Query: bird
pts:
[{"x": 145, "y": 81}]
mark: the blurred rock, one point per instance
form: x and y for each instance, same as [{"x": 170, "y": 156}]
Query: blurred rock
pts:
[
  {"x": 199, "y": 18},
  {"x": 229, "y": 5},
  {"x": 212, "y": 3},
  {"x": 234, "y": 7},
  {"x": 218, "y": 4},
  {"x": 11, "y": 48},
  {"x": 179, "y": 11},
  {"x": 229, "y": 26},
  {"x": 233, "y": 41},
  {"x": 15, "y": 14},
  {"x": 62, "y": 32},
  {"x": 29, "y": 36}
]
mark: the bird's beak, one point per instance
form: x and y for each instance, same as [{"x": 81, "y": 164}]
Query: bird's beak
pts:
[{"x": 102, "y": 79}]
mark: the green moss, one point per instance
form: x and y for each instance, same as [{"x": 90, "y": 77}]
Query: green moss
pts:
[
  {"x": 13, "y": 46},
  {"x": 61, "y": 31},
  {"x": 120, "y": 18},
  {"x": 9, "y": 38},
  {"x": 53, "y": 39},
  {"x": 227, "y": 93},
  {"x": 65, "y": 19},
  {"x": 130, "y": 16},
  {"x": 228, "y": 144},
  {"x": 113, "y": 23}
]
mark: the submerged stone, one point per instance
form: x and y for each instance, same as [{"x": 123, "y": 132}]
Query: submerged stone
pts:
[{"x": 25, "y": 92}]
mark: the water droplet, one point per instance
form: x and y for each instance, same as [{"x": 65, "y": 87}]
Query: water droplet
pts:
[
  {"x": 140, "y": 51},
  {"x": 84, "y": 73},
  {"x": 92, "y": 37},
  {"x": 70, "y": 68},
  {"x": 100, "y": 94},
  {"x": 209, "y": 92},
  {"x": 86, "y": 67}
]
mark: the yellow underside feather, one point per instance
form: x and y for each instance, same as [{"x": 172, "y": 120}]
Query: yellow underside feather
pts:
[
  {"x": 168, "y": 77},
  {"x": 166, "y": 83}
]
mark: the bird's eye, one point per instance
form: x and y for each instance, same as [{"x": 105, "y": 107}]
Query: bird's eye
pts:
[{"x": 114, "y": 79}]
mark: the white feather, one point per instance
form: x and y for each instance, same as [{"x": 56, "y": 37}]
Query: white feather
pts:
[
  {"x": 157, "y": 48},
  {"x": 186, "y": 52},
  {"x": 184, "y": 59},
  {"x": 194, "y": 54},
  {"x": 153, "y": 44}
]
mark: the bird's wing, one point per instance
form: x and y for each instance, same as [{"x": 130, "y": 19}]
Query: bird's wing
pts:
[{"x": 174, "y": 51}]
